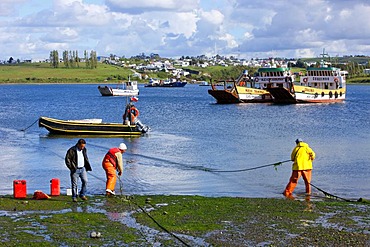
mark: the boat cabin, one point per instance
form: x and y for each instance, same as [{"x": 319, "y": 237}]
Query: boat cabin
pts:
[
  {"x": 324, "y": 78},
  {"x": 273, "y": 77}
]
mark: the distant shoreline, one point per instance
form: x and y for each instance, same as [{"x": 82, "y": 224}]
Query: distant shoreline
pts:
[{"x": 110, "y": 83}]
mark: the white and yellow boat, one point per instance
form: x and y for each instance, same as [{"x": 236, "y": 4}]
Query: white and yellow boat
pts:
[
  {"x": 320, "y": 85},
  {"x": 242, "y": 90}
]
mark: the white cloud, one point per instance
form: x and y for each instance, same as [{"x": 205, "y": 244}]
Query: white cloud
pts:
[
  {"x": 141, "y": 6},
  {"x": 189, "y": 27}
]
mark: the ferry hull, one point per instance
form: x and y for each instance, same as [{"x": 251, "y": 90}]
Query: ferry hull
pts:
[
  {"x": 224, "y": 96},
  {"x": 307, "y": 95},
  {"x": 253, "y": 95},
  {"x": 240, "y": 94}
]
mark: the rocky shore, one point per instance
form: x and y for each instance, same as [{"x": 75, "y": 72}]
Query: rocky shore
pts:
[{"x": 183, "y": 221}]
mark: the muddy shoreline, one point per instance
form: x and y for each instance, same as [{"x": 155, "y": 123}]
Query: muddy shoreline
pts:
[{"x": 161, "y": 220}]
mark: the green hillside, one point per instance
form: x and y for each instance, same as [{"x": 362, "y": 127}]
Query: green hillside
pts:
[{"x": 44, "y": 73}]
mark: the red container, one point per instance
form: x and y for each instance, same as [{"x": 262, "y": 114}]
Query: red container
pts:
[
  {"x": 55, "y": 187},
  {"x": 19, "y": 189}
]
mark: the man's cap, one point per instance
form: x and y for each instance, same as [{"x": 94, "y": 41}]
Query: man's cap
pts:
[
  {"x": 122, "y": 146},
  {"x": 298, "y": 140}
]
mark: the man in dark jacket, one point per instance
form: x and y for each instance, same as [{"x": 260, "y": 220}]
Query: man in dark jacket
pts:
[{"x": 78, "y": 163}]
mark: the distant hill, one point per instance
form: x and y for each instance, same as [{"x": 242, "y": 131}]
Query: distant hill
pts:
[{"x": 110, "y": 74}]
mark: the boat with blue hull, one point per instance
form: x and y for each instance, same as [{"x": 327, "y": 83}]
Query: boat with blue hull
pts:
[{"x": 165, "y": 83}]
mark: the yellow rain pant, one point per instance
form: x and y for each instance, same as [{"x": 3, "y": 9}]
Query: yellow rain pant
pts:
[
  {"x": 306, "y": 175},
  {"x": 110, "y": 172}
]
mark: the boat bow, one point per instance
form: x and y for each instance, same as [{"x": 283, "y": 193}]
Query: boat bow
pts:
[{"x": 282, "y": 95}]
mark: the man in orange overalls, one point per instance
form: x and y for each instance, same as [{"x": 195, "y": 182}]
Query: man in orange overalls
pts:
[
  {"x": 302, "y": 155},
  {"x": 113, "y": 162}
]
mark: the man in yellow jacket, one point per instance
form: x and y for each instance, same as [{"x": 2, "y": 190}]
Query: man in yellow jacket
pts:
[{"x": 302, "y": 156}]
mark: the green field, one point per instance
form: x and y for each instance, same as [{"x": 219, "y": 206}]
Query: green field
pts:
[{"x": 44, "y": 73}]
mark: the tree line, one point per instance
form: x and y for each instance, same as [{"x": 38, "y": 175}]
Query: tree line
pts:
[{"x": 71, "y": 59}]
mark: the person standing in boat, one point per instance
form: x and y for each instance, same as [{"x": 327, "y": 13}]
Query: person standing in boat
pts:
[
  {"x": 78, "y": 163},
  {"x": 113, "y": 163},
  {"x": 302, "y": 156},
  {"x": 131, "y": 112}
]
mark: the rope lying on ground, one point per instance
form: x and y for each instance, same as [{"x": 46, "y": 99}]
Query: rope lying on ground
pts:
[
  {"x": 331, "y": 195},
  {"x": 151, "y": 217}
]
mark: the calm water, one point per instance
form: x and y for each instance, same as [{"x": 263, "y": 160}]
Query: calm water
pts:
[{"x": 189, "y": 132}]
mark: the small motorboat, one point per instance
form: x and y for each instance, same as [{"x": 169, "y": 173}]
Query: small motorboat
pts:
[
  {"x": 131, "y": 125},
  {"x": 129, "y": 88},
  {"x": 85, "y": 127}
]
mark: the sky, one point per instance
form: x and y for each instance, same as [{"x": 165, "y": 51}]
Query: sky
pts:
[{"x": 31, "y": 29}]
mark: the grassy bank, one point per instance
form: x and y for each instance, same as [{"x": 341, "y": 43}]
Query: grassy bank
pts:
[
  {"x": 44, "y": 73},
  {"x": 183, "y": 221}
]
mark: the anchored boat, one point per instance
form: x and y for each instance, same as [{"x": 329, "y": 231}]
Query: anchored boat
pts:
[
  {"x": 129, "y": 88},
  {"x": 165, "y": 83},
  {"x": 132, "y": 126},
  {"x": 322, "y": 84},
  {"x": 243, "y": 90},
  {"x": 85, "y": 127}
]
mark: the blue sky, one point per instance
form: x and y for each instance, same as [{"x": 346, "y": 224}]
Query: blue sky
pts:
[{"x": 172, "y": 28}]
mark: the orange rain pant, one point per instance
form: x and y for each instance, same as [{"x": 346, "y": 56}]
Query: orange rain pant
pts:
[
  {"x": 306, "y": 175},
  {"x": 110, "y": 171}
]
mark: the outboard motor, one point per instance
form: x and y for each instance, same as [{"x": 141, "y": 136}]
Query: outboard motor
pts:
[{"x": 142, "y": 127}]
